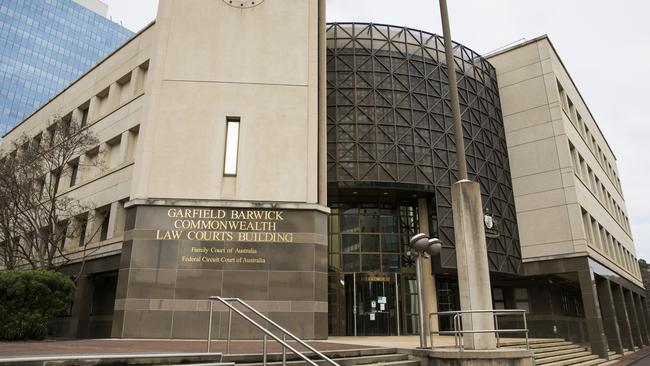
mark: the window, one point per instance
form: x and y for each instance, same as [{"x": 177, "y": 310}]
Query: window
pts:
[
  {"x": 132, "y": 143},
  {"x": 112, "y": 153},
  {"x": 103, "y": 216},
  {"x": 562, "y": 94},
  {"x": 572, "y": 111},
  {"x": 66, "y": 124},
  {"x": 74, "y": 171},
  {"x": 62, "y": 231},
  {"x": 586, "y": 223},
  {"x": 84, "y": 116},
  {"x": 498, "y": 298},
  {"x": 55, "y": 179},
  {"x": 521, "y": 299},
  {"x": 574, "y": 159},
  {"x": 83, "y": 224},
  {"x": 232, "y": 146}
]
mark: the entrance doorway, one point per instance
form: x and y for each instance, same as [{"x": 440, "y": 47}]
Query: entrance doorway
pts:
[
  {"x": 373, "y": 304},
  {"x": 374, "y": 308},
  {"x": 372, "y": 289}
]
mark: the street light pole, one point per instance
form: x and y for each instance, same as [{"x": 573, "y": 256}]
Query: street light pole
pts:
[
  {"x": 469, "y": 233},
  {"x": 421, "y": 247},
  {"x": 453, "y": 93}
]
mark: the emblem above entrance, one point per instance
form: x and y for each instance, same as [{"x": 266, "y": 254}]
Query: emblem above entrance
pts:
[{"x": 243, "y": 3}]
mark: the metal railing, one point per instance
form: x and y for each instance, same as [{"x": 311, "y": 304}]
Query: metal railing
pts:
[
  {"x": 458, "y": 331},
  {"x": 228, "y": 302}
]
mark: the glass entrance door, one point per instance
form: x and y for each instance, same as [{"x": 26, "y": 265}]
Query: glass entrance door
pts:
[
  {"x": 373, "y": 309},
  {"x": 376, "y": 303}
]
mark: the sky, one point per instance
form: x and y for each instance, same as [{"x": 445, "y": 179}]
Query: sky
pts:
[{"x": 605, "y": 45}]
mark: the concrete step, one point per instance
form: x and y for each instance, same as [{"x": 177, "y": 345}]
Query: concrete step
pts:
[
  {"x": 550, "y": 344},
  {"x": 563, "y": 357},
  {"x": 397, "y": 363},
  {"x": 566, "y": 351},
  {"x": 277, "y": 357},
  {"x": 573, "y": 361},
  {"x": 521, "y": 342},
  {"x": 568, "y": 347},
  {"x": 348, "y": 361}
]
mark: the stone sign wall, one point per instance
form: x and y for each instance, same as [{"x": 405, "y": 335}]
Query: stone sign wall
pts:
[{"x": 174, "y": 258}]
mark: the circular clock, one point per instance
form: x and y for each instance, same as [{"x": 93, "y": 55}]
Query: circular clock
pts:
[{"x": 243, "y": 3}]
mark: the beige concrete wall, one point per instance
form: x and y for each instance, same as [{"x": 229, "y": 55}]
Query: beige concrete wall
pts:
[
  {"x": 542, "y": 130},
  {"x": 115, "y": 122},
  {"x": 213, "y": 61}
]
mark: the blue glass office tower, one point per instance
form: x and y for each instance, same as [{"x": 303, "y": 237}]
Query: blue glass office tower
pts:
[{"x": 44, "y": 46}]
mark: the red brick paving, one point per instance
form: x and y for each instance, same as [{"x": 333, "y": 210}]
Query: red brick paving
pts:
[{"x": 104, "y": 346}]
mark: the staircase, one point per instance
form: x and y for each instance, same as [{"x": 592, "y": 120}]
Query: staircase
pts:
[
  {"x": 350, "y": 357},
  {"x": 558, "y": 352}
]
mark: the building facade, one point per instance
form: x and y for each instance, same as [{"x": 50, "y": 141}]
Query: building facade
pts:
[
  {"x": 391, "y": 163},
  {"x": 576, "y": 241},
  {"x": 292, "y": 169},
  {"x": 44, "y": 46}
]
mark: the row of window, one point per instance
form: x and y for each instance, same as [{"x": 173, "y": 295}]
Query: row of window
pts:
[
  {"x": 590, "y": 140},
  {"x": 599, "y": 238},
  {"x": 88, "y": 228},
  {"x": 107, "y": 156},
  {"x": 583, "y": 171}
]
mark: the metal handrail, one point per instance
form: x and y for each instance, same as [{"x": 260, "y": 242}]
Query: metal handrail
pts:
[
  {"x": 458, "y": 332},
  {"x": 285, "y": 333}
]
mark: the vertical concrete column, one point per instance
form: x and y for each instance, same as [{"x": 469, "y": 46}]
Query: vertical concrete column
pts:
[
  {"x": 634, "y": 320},
  {"x": 93, "y": 227},
  {"x": 428, "y": 279},
  {"x": 69, "y": 240},
  {"x": 104, "y": 157},
  {"x": 76, "y": 116},
  {"x": 322, "y": 102},
  {"x": 81, "y": 169},
  {"x": 112, "y": 220},
  {"x": 595, "y": 329},
  {"x": 81, "y": 308},
  {"x": 622, "y": 316},
  {"x": 644, "y": 308},
  {"x": 473, "y": 269},
  {"x": 608, "y": 311},
  {"x": 113, "y": 99},
  {"x": 93, "y": 109},
  {"x": 130, "y": 90},
  {"x": 643, "y": 322},
  {"x": 124, "y": 147}
]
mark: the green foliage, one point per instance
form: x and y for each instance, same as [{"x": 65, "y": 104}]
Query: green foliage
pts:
[{"x": 29, "y": 299}]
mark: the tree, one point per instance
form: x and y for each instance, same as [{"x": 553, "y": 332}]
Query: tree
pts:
[{"x": 35, "y": 218}]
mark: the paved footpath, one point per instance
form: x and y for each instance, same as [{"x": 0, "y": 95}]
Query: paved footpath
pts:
[
  {"x": 638, "y": 358},
  {"x": 105, "y": 346}
]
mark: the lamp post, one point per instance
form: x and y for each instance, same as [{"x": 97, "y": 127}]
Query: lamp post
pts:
[
  {"x": 423, "y": 247},
  {"x": 469, "y": 233}
]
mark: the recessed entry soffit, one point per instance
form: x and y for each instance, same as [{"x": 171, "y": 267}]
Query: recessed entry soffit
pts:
[{"x": 243, "y": 4}]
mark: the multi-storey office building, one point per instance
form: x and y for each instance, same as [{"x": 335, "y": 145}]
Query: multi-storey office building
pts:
[
  {"x": 576, "y": 241},
  {"x": 45, "y": 45},
  {"x": 223, "y": 167}
]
